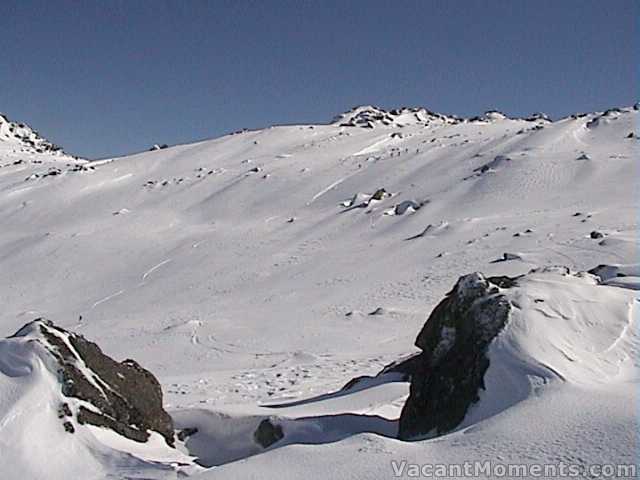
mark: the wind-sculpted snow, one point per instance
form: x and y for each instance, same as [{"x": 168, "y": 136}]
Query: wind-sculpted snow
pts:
[{"x": 245, "y": 271}]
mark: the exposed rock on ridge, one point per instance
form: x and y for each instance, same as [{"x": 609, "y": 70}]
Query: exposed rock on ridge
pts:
[
  {"x": 449, "y": 372},
  {"x": 121, "y": 396},
  {"x": 30, "y": 139}
]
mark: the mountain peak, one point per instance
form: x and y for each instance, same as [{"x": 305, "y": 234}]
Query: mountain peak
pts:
[
  {"x": 19, "y": 138},
  {"x": 369, "y": 116}
]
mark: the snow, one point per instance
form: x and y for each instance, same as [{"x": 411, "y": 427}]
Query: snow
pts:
[{"x": 242, "y": 314}]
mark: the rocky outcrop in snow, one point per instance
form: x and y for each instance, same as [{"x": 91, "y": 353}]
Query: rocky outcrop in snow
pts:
[
  {"x": 369, "y": 117},
  {"x": 493, "y": 341},
  {"x": 450, "y": 370},
  {"x": 120, "y": 396},
  {"x": 28, "y": 139}
]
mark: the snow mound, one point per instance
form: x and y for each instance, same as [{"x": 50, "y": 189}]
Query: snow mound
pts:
[
  {"x": 364, "y": 200},
  {"x": 406, "y": 206},
  {"x": 567, "y": 326}
]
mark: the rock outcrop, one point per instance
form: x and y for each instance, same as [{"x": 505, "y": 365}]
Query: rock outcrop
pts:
[
  {"x": 368, "y": 116},
  {"x": 29, "y": 139},
  {"x": 121, "y": 396},
  {"x": 449, "y": 373},
  {"x": 268, "y": 433}
]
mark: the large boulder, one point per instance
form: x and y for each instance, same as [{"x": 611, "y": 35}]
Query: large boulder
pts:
[
  {"x": 121, "y": 396},
  {"x": 268, "y": 433},
  {"x": 449, "y": 373}
]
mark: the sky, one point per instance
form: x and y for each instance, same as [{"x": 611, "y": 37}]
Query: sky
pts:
[{"x": 107, "y": 78}]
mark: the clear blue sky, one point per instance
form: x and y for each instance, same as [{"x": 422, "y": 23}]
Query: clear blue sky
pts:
[{"x": 104, "y": 78}]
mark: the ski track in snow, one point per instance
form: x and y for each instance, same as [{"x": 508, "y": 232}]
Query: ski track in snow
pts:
[
  {"x": 107, "y": 298},
  {"x": 155, "y": 267},
  {"x": 624, "y": 330},
  {"x": 325, "y": 190}
]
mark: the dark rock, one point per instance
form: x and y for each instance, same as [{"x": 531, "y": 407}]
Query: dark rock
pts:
[
  {"x": 52, "y": 172},
  {"x": 449, "y": 372},
  {"x": 379, "y": 195},
  {"x": 503, "y": 281},
  {"x": 595, "y": 235},
  {"x": 124, "y": 397},
  {"x": 68, "y": 427},
  {"x": 378, "y": 311},
  {"x": 64, "y": 410},
  {"x": 493, "y": 164},
  {"x": 406, "y": 367},
  {"x": 267, "y": 433},
  {"x": 537, "y": 117},
  {"x": 186, "y": 433},
  {"x": 408, "y": 205},
  {"x": 507, "y": 257},
  {"x": 354, "y": 382},
  {"x": 607, "y": 272}
]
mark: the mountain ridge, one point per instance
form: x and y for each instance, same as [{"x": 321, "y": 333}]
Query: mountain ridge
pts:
[{"x": 364, "y": 116}]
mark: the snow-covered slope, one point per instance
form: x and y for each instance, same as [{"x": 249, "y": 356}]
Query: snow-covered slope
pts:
[
  {"x": 560, "y": 394},
  {"x": 242, "y": 271}
]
